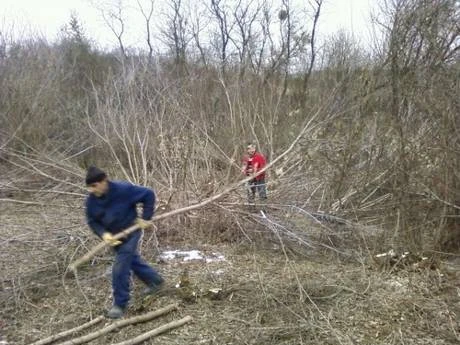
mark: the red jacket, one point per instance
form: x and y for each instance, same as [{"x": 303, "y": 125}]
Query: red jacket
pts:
[{"x": 249, "y": 163}]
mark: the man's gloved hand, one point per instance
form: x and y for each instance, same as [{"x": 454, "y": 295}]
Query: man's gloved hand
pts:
[
  {"x": 108, "y": 238},
  {"x": 142, "y": 223}
]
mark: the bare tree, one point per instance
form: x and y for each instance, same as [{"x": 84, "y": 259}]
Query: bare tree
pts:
[
  {"x": 317, "y": 4},
  {"x": 176, "y": 34},
  {"x": 245, "y": 16},
  {"x": 147, "y": 14},
  {"x": 290, "y": 43},
  {"x": 220, "y": 13},
  {"x": 115, "y": 19},
  {"x": 265, "y": 23},
  {"x": 198, "y": 22}
]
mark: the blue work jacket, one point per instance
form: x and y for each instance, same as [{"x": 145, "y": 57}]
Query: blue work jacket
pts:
[{"x": 116, "y": 210}]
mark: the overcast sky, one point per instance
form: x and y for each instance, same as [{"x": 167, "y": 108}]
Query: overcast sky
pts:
[{"x": 47, "y": 16}]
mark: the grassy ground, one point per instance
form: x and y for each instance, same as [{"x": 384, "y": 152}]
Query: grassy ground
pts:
[{"x": 269, "y": 293}]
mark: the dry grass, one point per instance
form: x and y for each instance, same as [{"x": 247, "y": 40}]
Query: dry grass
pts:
[{"x": 273, "y": 290}]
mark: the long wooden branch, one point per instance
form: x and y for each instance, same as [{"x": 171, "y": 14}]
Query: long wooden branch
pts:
[
  {"x": 154, "y": 332},
  {"x": 25, "y": 202},
  {"x": 63, "y": 334},
  {"x": 93, "y": 251},
  {"x": 120, "y": 324}
]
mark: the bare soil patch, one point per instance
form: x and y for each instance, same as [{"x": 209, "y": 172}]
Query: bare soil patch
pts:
[{"x": 262, "y": 293}]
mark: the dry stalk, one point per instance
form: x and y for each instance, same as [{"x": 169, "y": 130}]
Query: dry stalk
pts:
[
  {"x": 30, "y": 164},
  {"x": 120, "y": 324},
  {"x": 25, "y": 202}
]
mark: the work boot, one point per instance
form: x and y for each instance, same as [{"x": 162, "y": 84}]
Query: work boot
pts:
[
  {"x": 115, "y": 312},
  {"x": 152, "y": 289}
]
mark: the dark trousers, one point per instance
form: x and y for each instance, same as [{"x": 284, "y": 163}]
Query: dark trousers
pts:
[
  {"x": 127, "y": 259},
  {"x": 258, "y": 186}
]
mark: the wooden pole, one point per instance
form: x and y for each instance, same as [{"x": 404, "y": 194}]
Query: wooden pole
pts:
[
  {"x": 154, "y": 332},
  {"x": 120, "y": 324},
  {"x": 68, "y": 332}
]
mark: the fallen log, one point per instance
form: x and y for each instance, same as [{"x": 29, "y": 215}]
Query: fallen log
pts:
[
  {"x": 154, "y": 332},
  {"x": 119, "y": 324},
  {"x": 63, "y": 334},
  {"x": 97, "y": 248}
]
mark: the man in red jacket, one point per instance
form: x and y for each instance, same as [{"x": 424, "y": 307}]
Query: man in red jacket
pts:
[{"x": 253, "y": 162}]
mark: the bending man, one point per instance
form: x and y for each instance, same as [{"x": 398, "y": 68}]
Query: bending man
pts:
[{"x": 111, "y": 208}]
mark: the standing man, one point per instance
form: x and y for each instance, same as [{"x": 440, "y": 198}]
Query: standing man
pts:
[
  {"x": 110, "y": 208},
  {"x": 253, "y": 162}
]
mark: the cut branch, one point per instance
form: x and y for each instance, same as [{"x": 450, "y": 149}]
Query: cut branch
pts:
[
  {"x": 154, "y": 332},
  {"x": 34, "y": 203},
  {"x": 120, "y": 324},
  {"x": 68, "y": 332}
]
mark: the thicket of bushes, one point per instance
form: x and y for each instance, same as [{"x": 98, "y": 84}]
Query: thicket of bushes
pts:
[{"x": 383, "y": 147}]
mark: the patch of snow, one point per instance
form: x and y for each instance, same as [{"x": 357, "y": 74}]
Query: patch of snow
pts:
[
  {"x": 215, "y": 257},
  {"x": 390, "y": 253},
  {"x": 190, "y": 255},
  {"x": 398, "y": 284},
  {"x": 168, "y": 255}
]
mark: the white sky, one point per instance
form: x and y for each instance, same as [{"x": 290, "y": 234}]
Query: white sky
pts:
[{"x": 24, "y": 17}]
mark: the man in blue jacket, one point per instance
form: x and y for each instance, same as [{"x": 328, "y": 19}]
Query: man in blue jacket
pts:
[{"x": 111, "y": 208}]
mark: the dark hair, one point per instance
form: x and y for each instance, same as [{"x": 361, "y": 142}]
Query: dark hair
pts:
[{"x": 94, "y": 175}]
